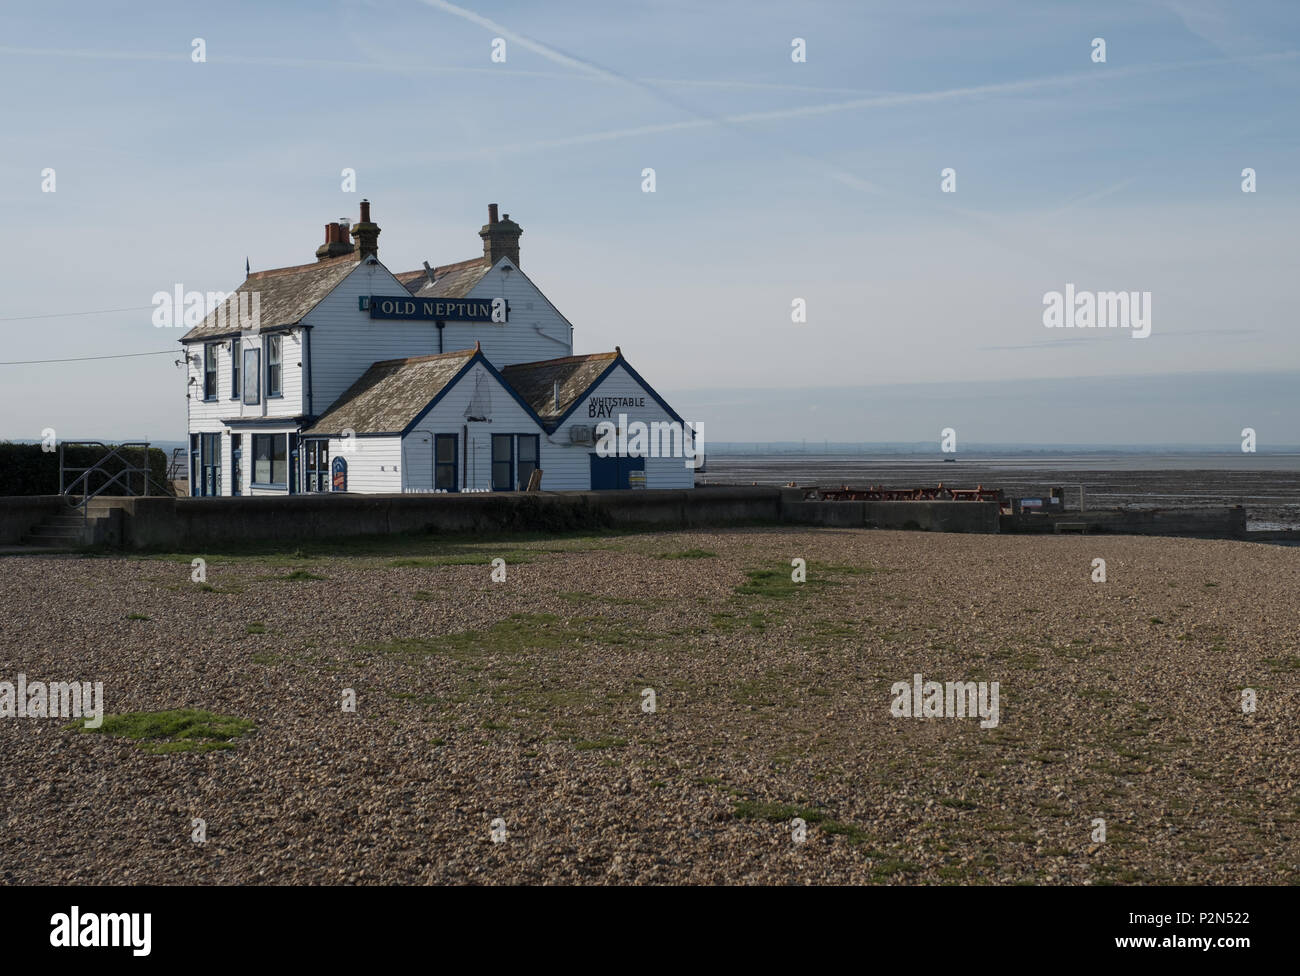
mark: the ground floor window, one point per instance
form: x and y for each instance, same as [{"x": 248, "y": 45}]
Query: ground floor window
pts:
[
  {"x": 503, "y": 461},
  {"x": 527, "y": 455},
  {"x": 514, "y": 457},
  {"x": 444, "y": 462},
  {"x": 271, "y": 460}
]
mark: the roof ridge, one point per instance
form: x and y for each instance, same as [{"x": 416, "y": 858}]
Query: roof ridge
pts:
[
  {"x": 327, "y": 263},
  {"x": 424, "y": 359},
  {"x": 481, "y": 259},
  {"x": 455, "y": 266},
  {"x": 585, "y": 357}
]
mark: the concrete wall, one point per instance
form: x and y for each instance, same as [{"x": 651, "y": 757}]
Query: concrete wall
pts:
[
  {"x": 935, "y": 516},
  {"x": 193, "y": 523},
  {"x": 19, "y": 514},
  {"x": 196, "y": 522},
  {"x": 1213, "y": 523}
]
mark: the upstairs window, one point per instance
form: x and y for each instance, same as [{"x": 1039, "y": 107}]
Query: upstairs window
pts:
[
  {"x": 210, "y": 371},
  {"x": 252, "y": 376},
  {"x": 274, "y": 370},
  {"x": 234, "y": 369}
]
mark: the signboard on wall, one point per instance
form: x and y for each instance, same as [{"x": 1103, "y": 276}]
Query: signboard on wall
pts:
[
  {"x": 339, "y": 474},
  {"x": 437, "y": 309},
  {"x": 608, "y": 406}
]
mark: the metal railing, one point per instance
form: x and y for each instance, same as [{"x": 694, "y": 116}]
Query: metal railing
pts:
[
  {"x": 178, "y": 466},
  {"x": 80, "y": 486}
]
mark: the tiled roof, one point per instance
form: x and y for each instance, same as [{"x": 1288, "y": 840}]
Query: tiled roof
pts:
[
  {"x": 535, "y": 382},
  {"x": 449, "y": 281},
  {"x": 286, "y": 295},
  {"x": 391, "y": 394}
]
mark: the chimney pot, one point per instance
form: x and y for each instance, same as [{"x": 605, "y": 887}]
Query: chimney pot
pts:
[
  {"x": 365, "y": 234},
  {"x": 336, "y": 243},
  {"x": 500, "y": 238}
]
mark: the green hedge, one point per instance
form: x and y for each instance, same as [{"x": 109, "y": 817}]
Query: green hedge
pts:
[{"x": 27, "y": 470}]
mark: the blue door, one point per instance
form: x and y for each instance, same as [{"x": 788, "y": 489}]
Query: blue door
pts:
[
  {"x": 609, "y": 473},
  {"x": 445, "y": 477},
  {"x": 236, "y": 461},
  {"x": 210, "y": 465}
]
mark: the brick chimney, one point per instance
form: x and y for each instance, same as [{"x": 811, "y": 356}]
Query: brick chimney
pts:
[
  {"x": 500, "y": 238},
  {"x": 366, "y": 233},
  {"x": 336, "y": 242}
]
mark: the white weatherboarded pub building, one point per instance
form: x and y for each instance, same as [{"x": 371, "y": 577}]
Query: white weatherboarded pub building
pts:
[{"x": 343, "y": 376}]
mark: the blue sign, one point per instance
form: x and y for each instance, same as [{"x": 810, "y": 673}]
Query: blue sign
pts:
[
  {"x": 437, "y": 309},
  {"x": 339, "y": 474}
]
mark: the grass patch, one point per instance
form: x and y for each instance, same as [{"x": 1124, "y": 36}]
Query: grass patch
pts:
[
  {"x": 774, "y": 584},
  {"x": 688, "y": 554},
  {"x": 176, "y": 730},
  {"x": 137, "y": 616},
  {"x": 784, "y": 813},
  {"x": 777, "y": 584},
  {"x": 299, "y": 576},
  {"x": 255, "y": 628}
]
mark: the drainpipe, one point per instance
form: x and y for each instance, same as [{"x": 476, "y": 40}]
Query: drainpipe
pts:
[
  {"x": 306, "y": 343},
  {"x": 544, "y": 335},
  {"x": 464, "y": 452}
]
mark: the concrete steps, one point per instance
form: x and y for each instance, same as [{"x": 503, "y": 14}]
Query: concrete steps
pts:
[{"x": 69, "y": 531}]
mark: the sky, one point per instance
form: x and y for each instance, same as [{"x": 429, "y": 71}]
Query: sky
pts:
[{"x": 775, "y": 180}]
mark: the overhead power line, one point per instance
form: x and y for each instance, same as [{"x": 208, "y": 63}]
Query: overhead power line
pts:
[
  {"x": 62, "y": 315},
  {"x": 83, "y": 359}
]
